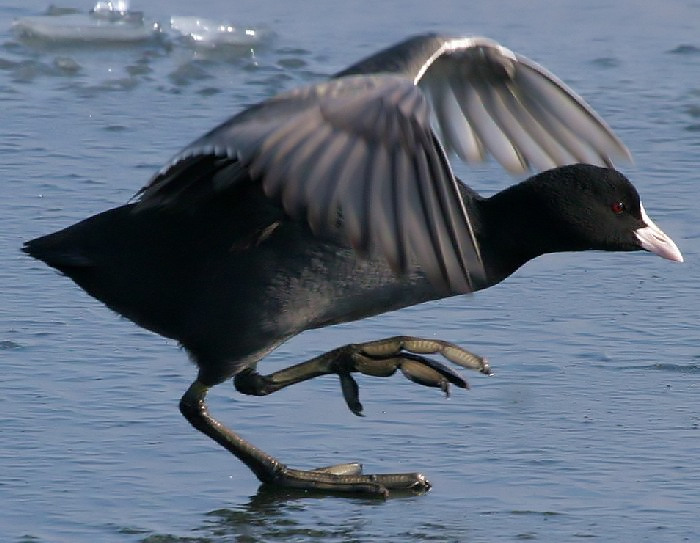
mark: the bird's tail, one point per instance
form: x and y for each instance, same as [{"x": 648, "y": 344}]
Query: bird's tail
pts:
[{"x": 58, "y": 251}]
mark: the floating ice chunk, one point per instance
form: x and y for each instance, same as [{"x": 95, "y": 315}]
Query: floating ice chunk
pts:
[
  {"x": 107, "y": 22},
  {"x": 119, "y": 6},
  {"x": 211, "y": 33}
]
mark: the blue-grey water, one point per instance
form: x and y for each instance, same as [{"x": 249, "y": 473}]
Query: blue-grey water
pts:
[{"x": 590, "y": 428}]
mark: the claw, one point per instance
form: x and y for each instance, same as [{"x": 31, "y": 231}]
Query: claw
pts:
[
  {"x": 424, "y": 375},
  {"x": 419, "y": 346},
  {"x": 351, "y": 393},
  {"x": 380, "y": 358},
  {"x": 445, "y": 372}
]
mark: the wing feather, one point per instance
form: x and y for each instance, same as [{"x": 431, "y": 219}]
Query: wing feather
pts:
[
  {"x": 503, "y": 97},
  {"x": 362, "y": 158}
]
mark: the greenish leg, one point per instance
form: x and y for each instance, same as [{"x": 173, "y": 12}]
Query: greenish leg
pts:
[
  {"x": 340, "y": 478},
  {"x": 380, "y": 358}
]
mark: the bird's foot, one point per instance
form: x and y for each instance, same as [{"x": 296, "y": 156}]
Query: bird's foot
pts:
[
  {"x": 384, "y": 357},
  {"x": 380, "y": 358},
  {"x": 348, "y": 478}
]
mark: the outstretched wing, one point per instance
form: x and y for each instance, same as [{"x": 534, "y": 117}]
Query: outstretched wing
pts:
[
  {"x": 487, "y": 99},
  {"x": 356, "y": 157},
  {"x": 362, "y": 157}
]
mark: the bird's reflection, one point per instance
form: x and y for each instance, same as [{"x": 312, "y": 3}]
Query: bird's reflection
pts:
[{"x": 278, "y": 514}]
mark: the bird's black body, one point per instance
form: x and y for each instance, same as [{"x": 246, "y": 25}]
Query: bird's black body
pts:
[
  {"x": 336, "y": 202},
  {"x": 234, "y": 277},
  {"x": 199, "y": 275}
]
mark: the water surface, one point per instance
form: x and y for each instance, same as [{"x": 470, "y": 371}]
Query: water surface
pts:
[{"x": 590, "y": 427}]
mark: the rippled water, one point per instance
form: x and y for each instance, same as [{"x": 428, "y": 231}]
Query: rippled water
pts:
[{"x": 590, "y": 427}]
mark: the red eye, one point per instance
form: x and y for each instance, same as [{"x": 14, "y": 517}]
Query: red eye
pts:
[{"x": 618, "y": 207}]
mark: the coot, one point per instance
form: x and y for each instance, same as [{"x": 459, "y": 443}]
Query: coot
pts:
[{"x": 336, "y": 201}]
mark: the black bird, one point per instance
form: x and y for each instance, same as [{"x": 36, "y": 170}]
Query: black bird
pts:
[{"x": 336, "y": 201}]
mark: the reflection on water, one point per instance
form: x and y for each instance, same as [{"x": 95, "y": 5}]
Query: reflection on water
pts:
[
  {"x": 274, "y": 515},
  {"x": 288, "y": 515}
]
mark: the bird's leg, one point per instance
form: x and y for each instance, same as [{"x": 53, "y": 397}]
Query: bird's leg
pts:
[
  {"x": 380, "y": 358},
  {"x": 341, "y": 478}
]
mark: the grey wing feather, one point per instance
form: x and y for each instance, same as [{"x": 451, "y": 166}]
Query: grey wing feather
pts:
[
  {"x": 511, "y": 107},
  {"x": 378, "y": 123},
  {"x": 336, "y": 154},
  {"x": 362, "y": 157}
]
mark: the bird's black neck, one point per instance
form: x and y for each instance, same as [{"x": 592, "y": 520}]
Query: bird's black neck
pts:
[{"x": 513, "y": 227}]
